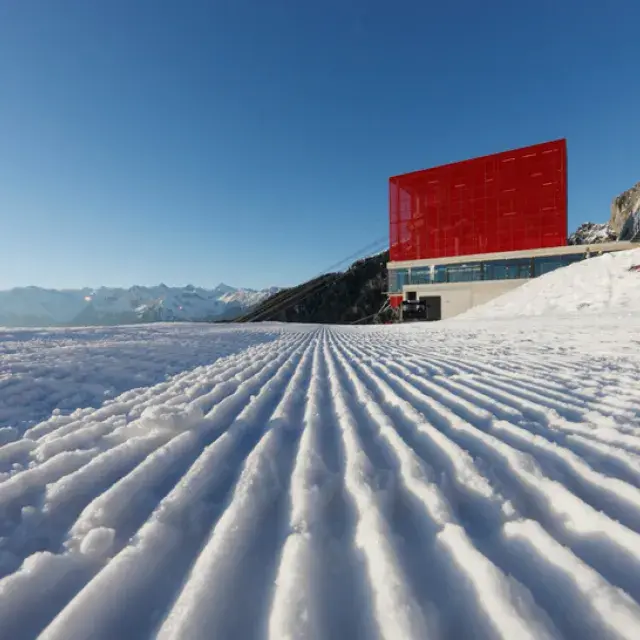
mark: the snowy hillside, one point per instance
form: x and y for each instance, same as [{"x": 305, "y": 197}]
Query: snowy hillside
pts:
[
  {"x": 33, "y": 306},
  {"x": 440, "y": 481},
  {"x": 597, "y": 285}
]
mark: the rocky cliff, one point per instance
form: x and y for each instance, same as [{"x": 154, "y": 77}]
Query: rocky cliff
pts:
[
  {"x": 623, "y": 225},
  {"x": 625, "y": 213}
]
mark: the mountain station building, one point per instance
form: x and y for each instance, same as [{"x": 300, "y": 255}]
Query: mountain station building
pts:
[{"x": 464, "y": 233}]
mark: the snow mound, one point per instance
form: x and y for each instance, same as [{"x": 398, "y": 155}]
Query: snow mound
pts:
[
  {"x": 172, "y": 418},
  {"x": 98, "y": 543},
  {"x": 602, "y": 284}
]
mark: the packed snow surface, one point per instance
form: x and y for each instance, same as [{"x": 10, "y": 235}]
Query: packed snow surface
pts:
[
  {"x": 458, "y": 480},
  {"x": 42, "y": 370}
]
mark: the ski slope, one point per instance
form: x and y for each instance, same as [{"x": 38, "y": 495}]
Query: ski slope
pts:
[{"x": 458, "y": 480}]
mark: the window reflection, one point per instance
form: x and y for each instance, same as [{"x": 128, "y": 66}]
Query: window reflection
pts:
[{"x": 514, "y": 269}]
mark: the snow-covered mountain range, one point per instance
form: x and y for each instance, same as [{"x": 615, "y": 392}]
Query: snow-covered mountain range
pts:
[{"x": 34, "y": 306}]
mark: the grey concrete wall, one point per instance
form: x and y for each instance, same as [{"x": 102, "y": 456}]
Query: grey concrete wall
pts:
[{"x": 458, "y": 297}]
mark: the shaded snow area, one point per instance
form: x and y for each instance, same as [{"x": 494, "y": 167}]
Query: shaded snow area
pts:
[
  {"x": 44, "y": 370},
  {"x": 602, "y": 283},
  {"x": 456, "y": 480}
]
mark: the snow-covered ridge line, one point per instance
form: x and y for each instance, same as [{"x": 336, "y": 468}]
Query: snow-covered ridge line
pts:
[{"x": 37, "y": 307}]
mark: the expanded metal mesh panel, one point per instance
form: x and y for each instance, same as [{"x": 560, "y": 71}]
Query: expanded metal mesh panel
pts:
[{"x": 510, "y": 201}]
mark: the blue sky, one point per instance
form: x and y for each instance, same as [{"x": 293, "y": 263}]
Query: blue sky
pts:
[{"x": 250, "y": 141}]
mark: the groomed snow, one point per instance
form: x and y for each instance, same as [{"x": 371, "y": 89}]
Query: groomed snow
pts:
[
  {"x": 42, "y": 370},
  {"x": 474, "y": 479}
]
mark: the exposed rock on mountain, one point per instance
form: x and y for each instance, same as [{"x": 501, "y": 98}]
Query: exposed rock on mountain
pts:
[
  {"x": 623, "y": 208},
  {"x": 631, "y": 229},
  {"x": 592, "y": 233},
  {"x": 623, "y": 225}
]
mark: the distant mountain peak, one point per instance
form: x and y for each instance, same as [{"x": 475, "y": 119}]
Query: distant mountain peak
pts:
[
  {"x": 224, "y": 288},
  {"x": 35, "y": 306}
]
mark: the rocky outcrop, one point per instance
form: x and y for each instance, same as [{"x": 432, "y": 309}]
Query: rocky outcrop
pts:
[
  {"x": 592, "y": 233},
  {"x": 624, "y": 224},
  {"x": 624, "y": 208},
  {"x": 631, "y": 229}
]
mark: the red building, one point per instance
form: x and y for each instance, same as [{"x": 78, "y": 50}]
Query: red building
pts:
[
  {"x": 464, "y": 233},
  {"x": 510, "y": 201}
]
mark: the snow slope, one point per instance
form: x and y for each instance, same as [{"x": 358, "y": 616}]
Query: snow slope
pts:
[
  {"x": 602, "y": 284},
  {"x": 34, "y": 306},
  {"x": 444, "y": 481}
]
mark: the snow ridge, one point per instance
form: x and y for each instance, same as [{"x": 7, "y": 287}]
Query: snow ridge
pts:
[{"x": 349, "y": 482}]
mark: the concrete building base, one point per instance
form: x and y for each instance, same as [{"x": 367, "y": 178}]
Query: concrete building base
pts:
[{"x": 458, "y": 297}]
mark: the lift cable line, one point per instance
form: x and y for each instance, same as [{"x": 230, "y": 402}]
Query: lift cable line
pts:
[
  {"x": 321, "y": 281},
  {"x": 376, "y": 245},
  {"x": 324, "y": 285},
  {"x": 293, "y": 300},
  {"x": 302, "y": 292}
]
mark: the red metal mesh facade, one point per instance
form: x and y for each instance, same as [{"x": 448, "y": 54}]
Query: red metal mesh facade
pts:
[{"x": 510, "y": 201}]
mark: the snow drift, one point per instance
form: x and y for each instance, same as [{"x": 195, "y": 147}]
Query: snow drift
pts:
[{"x": 596, "y": 285}]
